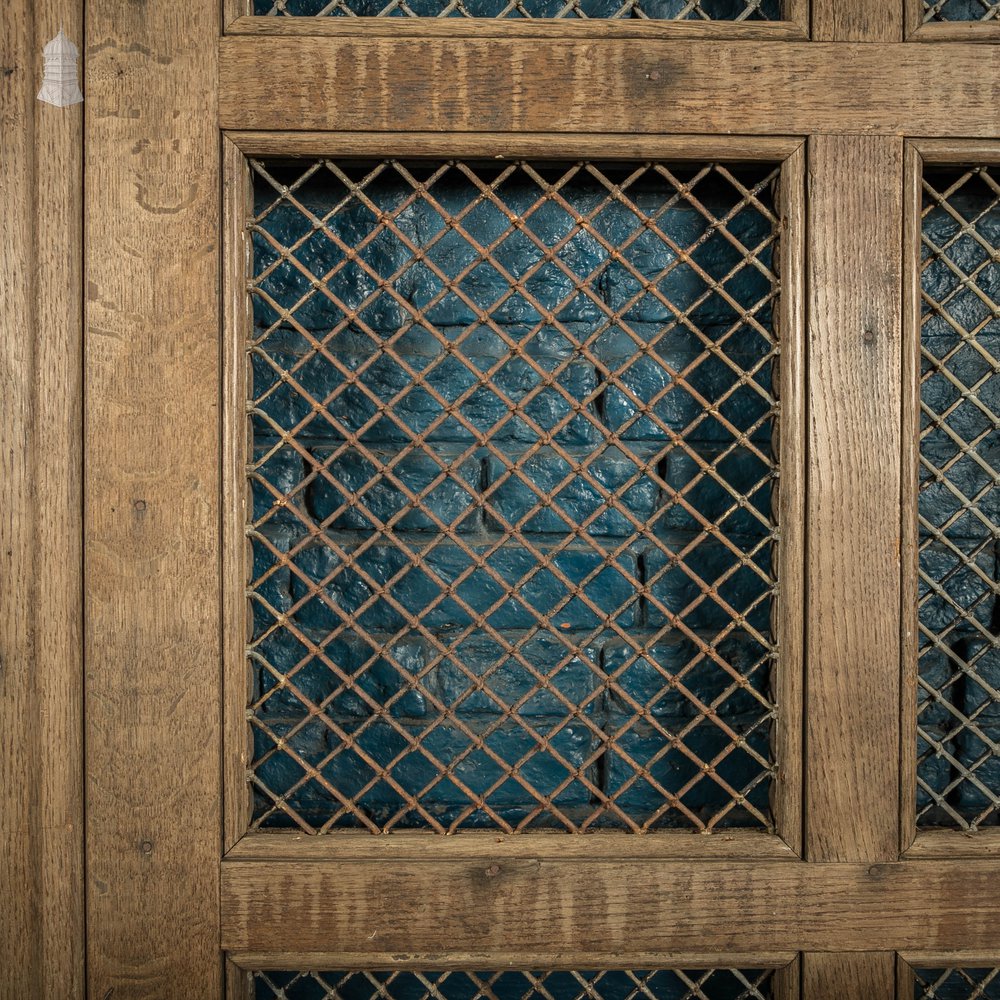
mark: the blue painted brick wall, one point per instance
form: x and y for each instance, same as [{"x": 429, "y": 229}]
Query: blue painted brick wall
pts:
[
  {"x": 715, "y": 10},
  {"x": 966, "y": 565},
  {"x": 717, "y": 984},
  {"x": 458, "y": 500}
]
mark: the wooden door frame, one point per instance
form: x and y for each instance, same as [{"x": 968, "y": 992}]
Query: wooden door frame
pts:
[{"x": 150, "y": 359}]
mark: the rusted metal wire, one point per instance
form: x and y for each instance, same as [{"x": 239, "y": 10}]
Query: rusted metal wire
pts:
[
  {"x": 961, "y": 10},
  {"x": 337, "y": 295},
  {"x": 958, "y": 771},
  {"x": 670, "y": 10},
  {"x": 675, "y": 984},
  {"x": 957, "y": 984}
]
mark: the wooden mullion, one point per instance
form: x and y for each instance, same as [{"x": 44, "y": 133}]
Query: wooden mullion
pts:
[
  {"x": 853, "y": 652},
  {"x": 869, "y": 975},
  {"x": 41, "y": 676},
  {"x": 857, "y": 20},
  {"x": 152, "y": 502}
]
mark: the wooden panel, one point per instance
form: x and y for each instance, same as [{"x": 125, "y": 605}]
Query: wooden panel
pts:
[
  {"x": 602, "y": 29},
  {"x": 857, "y": 20},
  {"x": 501, "y": 85},
  {"x": 955, "y": 844},
  {"x": 872, "y": 975},
  {"x": 152, "y": 639},
  {"x": 418, "y": 844},
  {"x": 956, "y": 31},
  {"x": 852, "y": 724},
  {"x": 788, "y": 805},
  {"x": 536, "y": 912},
  {"x": 500, "y": 145},
  {"x": 909, "y": 476},
  {"x": 41, "y": 682}
]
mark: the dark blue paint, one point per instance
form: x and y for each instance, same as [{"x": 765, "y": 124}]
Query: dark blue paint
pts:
[
  {"x": 351, "y": 495},
  {"x": 717, "y": 984},
  {"x": 966, "y": 567}
]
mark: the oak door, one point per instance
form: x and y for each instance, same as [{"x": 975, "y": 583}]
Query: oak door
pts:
[{"x": 538, "y": 522}]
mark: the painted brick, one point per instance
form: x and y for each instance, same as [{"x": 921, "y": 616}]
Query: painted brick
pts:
[
  {"x": 650, "y": 403},
  {"x": 674, "y": 589},
  {"x": 359, "y": 672},
  {"x": 351, "y": 407},
  {"x": 934, "y": 771},
  {"x": 504, "y": 680},
  {"x": 576, "y": 502},
  {"x": 968, "y": 480},
  {"x": 718, "y": 10},
  {"x": 647, "y": 679},
  {"x": 943, "y": 675},
  {"x": 966, "y": 592},
  {"x": 710, "y": 493},
  {"x": 389, "y": 747},
  {"x": 672, "y": 769},
  {"x": 372, "y": 497},
  {"x": 520, "y": 605}
]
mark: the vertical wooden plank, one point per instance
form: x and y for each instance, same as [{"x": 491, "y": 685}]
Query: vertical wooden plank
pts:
[
  {"x": 853, "y": 690},
  {"x": 857, "y": 20},
  {"x": 151, "y": 507},
  {"x": 41, "y": 682},
  {"x": 910, "y": 469},
  {"x": 237, "y": 320},
  {"x": 849, "y": 975},
  {"x": 791, "y": 521}
]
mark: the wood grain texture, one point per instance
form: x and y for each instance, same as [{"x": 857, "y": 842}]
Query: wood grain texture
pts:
[
  {"x": 857, "y": 20},
  {"x": 41, "y": 681},
  {"x": 909, "y": 482},
  {"x": 789, "y": 612},
  {"x": 152, "y": 507},
  {"x": 421, "y": 845},
  {"x": 983, "y": 32},
  {"x": 853, "y": 566},
  {"x": 456, "y": 29},
  {"x": 538, "y": 912},
  {"x": 505, "y": 85},
  {"x": 955, "y": 844},
  {"x": 501, "y": 146},
  {"x": 236, "y": 614},
  {"x": 870, "y": 976}
]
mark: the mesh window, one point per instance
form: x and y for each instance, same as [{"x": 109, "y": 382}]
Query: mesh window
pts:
[
  {"x": 959, "y": 504},
  {"x": 668, "y": 10},
  {"x": 961, "y": 10},
  {"x": 702, "y": 984},
  {"x": 512, "y": 485},
  {"x": 956, "y": 984}
]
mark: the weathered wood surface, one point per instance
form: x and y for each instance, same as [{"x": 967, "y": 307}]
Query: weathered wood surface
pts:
[
  {"x": 41, "y": 680},
  {"x": 521, "y": 911},
  {"x": 152, "y": 504},
  {"x": 502, "y": 84},
  {"x": 853, "y": 571}
]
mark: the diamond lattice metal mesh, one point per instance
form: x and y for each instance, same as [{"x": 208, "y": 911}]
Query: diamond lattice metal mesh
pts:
[
  {"x": 961, "y": 10},
  {"x": 702, "y": 984},
  {"x": 956, "y": 984},
  {"x": 670, "y": 10},
  {"x": 512, "y": 484},
  {"x": 958, "y": 770}
]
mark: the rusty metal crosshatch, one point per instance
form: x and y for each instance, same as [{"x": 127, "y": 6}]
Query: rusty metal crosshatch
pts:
[
  {"x": 670, "y": 10},
  {"x": 956, "y": 984},
  {"x": 958, "y": 750},
  {"x": 673, "y": 984},
  {"x": 961, "y": 10},
  {"x": 513, "y": 489}
]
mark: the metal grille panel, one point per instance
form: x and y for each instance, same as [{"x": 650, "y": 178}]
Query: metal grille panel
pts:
[
  {"x": 702, "y": 984},
  {"x": 959, "y": 503},
  {"x": 512, "y": 484},
  {"x": 669, "y": 10},
  {"x": 956, "y": 984},
  {"x": 961, "y": 10}
]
